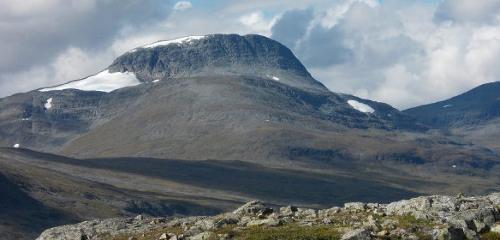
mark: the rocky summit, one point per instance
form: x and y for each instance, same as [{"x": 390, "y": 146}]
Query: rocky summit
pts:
[{"x": 426, "y": 217}]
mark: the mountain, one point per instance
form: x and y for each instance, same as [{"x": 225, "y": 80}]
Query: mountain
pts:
[
  {"x": 473, "y": 115},
  {"x": 210, "y": 121},
  {"x": 217, "y": 97},
  {"x": 477, "y": 106}
]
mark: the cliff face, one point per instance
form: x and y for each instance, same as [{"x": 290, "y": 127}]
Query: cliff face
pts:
[{"x": 428, "y": 217}]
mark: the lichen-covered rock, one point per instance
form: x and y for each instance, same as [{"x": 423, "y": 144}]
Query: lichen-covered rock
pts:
[
  {"x": 202, "y": 236},
  {"x": 96, "y": 228},
  {"x": 328, "y": 212},
  {"x": 496, "y": 228},
  {"x": 357, "y": 206},
  {"x": 254, "y": 208},
  {"x": 288, "y": 210},
  {"x": 264, "y": 222},
  {"x": 357, "y": 234}
]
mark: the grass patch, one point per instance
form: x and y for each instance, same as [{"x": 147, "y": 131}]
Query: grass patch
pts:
[
  {"x": 491, "y": 236},
  {"x": 292, "y": 232},
  {"x": 409, "y": 221},
  {"x": 149, "y": 235}
]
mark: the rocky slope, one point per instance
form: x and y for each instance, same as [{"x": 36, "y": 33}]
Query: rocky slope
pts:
[{"x": 427, "y": 217}]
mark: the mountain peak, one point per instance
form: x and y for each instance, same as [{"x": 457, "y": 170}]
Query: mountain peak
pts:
[{"x": 217, "y": 54}]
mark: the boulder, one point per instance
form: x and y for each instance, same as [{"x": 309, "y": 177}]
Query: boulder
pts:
[
  {"x": 306, "y": 213},
  {"x": 495, "y": 229},
  {"x": 323, "y": 213},
  {"x": 202, "y": 236},
  {"x": 357, "y": 206},
  {"x": 253, "y": 208},
  {"x": 288, "y": 211},
  {"x": 163, "y": 236},
  {"x": 270, "y": 222},
  {"x": 357, "y": 234}
]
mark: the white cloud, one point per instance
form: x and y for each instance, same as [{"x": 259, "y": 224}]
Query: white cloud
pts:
[
  {"x": 183, "y": 5},
  {"x": 402, "y": 53},
  {"x": 469, "y": 10},
  {"x": 397, "y": 53},
  {"x": 258, "y": 23},
  {"x": 72, "y": 64}
]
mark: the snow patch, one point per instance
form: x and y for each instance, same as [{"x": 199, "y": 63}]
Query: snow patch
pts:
[
  {"x": 447, "y": 106},
  {"x": 25, "y": 119},
  {"x": 103, "y": 82},
  {"x": 48, "y": 104},
  {"x": 182, "y": 40},
  {"x": 157, "y": 80},
  {"x": 16, "y": 145},
  {"x": 454, "y": 166},
  {"x": 273, "y": 77},
  {"x": 360, "y": 106}
]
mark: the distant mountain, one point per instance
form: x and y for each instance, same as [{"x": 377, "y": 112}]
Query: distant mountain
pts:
[
  {"x": 474, "y": 115},
  {"x": 476, "y": 106}
]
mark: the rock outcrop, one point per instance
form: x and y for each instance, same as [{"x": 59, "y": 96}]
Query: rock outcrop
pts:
[{"x": 427, "y": 217}]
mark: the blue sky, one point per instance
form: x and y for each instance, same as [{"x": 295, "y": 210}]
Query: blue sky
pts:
[{"x": 404, "y": 53}]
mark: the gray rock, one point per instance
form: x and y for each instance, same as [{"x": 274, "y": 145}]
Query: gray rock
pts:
[
  {"x": 328, "y": 212},
  {"x": 357, "y": 206},
  {"x": 253, "y": 208},
  {"x": 288, "y": 210},
  {"x": 202, "y": 236},
  {"x": 372, "y": 224},
  {"x": 206, "y": 224},
  {"x": 264, "y": 222},
  {"x": 494, "y": 198},
  {"x": 306, "y": 213},
  {"x": 225, "y": 220},
  {"x": 357, "y": 234},
  {"x": 389, "y": 224},
  {"x": 450, "y": 233},
  {"x": 94, "y": 228},
  {"x": 495, "y": 229}
]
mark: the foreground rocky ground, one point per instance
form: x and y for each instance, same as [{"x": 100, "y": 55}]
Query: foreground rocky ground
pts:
[{"x": 427, "y": 217}]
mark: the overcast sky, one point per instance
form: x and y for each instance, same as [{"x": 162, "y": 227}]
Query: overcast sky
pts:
[{"x": 401, "y": 52}]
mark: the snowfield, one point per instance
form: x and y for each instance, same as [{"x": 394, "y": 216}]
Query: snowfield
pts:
[
  {"x": 103, "y": 82},
  {"x": 182, "y": 40},
  {"x": 360, "y": 106}
]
